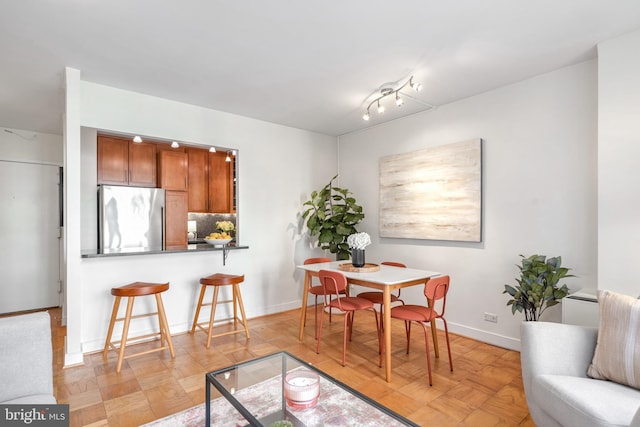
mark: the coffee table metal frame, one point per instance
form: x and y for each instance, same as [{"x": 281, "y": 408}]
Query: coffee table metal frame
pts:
[{"x": 288, "y": 361}]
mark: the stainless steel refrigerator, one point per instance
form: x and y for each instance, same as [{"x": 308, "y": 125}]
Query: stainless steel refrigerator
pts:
[{"x": 130, "y": 219}]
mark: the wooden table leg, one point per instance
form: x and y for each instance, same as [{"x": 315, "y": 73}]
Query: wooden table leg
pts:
[
  {"x": 303, "y": 310},
  {"x": 386, "y": 308}
]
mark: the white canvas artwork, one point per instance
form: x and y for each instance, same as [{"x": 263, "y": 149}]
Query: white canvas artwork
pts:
[{"x": 435, "y": 193}]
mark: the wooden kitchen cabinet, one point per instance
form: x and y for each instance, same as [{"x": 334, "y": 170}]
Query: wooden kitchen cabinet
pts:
[
  {"x": 176, "y": 209},
  {"x": 198, "y": 180},
  {"x": 173, "y": 170},
  {"x": 211, "y": 186},
  {"x": 221, "y": 183},
  {"x": 124, "y": 162}
]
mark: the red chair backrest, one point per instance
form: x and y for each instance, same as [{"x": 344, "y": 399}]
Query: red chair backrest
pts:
[
  {"x": 333, "y": 282},
  {"x": 436, "y": 289},
  {"x": 394, "y": 264},
  {"x": 316, "y": 260}
]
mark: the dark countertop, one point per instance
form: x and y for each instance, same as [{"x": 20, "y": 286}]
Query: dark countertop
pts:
[{"x": 192, "y": 247}]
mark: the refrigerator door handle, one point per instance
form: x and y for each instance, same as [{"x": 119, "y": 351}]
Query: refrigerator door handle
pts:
[{"x": 164, "y": 231}]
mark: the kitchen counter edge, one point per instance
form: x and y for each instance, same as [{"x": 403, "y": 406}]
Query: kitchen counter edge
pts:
[{"x": 190, "y": 248}]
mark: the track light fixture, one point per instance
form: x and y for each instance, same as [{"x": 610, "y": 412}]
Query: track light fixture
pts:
[
  {"x": 212, "y": 149},
  {"x": 386, "y": 91},
  {"x": 175, "y": 144},
  {"x": 228, "y": 159},
  {"x": 137, "y": 139}
]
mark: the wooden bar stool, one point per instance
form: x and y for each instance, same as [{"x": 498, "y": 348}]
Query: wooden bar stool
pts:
[
  {"x": 217, "y": 280},
  {"x": 132, "y": 290}
]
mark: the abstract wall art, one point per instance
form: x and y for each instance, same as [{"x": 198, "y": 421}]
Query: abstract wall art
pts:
[{"x": 434, "y": 193}]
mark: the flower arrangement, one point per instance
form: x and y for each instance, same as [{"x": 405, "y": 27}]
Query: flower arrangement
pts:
[
  {"x": 225, "y": 226},
  {"x": 359, "y": 240}
]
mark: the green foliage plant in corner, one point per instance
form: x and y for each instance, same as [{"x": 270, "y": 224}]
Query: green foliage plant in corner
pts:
[
  {"x": 538, "y": 287},
  {"x": 332, "y": 214}
]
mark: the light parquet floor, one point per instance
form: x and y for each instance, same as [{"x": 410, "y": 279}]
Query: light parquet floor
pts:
[{"x": 485, "y": 388}]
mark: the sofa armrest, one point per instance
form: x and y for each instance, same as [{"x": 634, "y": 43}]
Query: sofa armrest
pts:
[
  {"x": 635, "y": 422},
  {"x": 26, "y": 356},
  {"x": 556, "y": 348}
]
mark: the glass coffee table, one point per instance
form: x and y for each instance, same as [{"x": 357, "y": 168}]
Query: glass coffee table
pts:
[{"x": 281, "y": 387}]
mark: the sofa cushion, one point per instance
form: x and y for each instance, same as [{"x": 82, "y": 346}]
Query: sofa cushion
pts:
[
  {"x": 617, "y": 355},
  {"x": 581, "y": 401}
]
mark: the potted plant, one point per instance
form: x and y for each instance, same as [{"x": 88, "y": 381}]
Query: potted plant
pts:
[
  {"x": 537, "y": 287},
  {"x": 332, "y": 214}
]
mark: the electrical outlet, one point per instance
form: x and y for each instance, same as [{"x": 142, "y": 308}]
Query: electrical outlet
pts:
[{"x": 491, "y": 317}]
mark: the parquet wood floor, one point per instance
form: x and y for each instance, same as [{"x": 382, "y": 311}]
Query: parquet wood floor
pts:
[{"x": 485, "y": 388}]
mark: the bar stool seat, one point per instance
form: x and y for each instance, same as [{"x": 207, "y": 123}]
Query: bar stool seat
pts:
[
  {"x": 217, "y": 280},
  {"x": 131, "y": 291}
]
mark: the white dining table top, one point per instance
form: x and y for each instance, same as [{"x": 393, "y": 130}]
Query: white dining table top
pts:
[{"x": 387, "y": 275}]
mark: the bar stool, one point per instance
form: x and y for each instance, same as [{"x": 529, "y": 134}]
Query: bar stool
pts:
[
  {"x": 217, "y": 280},
  {"x": 132, "y": 290}
]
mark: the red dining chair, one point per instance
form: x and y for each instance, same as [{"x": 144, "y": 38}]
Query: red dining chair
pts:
[
  {"x": 436, "y": 292},
  {"x": 335, "y": 284},
  {"x": 317, "y": 291}
]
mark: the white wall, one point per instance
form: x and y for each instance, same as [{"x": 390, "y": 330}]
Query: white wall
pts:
[
  {"x": 539, "y": 191},
  {"x": 278, "y": 166},
  {"x": 19, "y": 145},
  {"x": 618, "y": 163}
]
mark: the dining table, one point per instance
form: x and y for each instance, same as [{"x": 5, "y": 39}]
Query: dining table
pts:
[{"x": 382, "y": 277}]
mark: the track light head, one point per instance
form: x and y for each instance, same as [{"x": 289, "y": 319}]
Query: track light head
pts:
[
  {"x": 175, "y": 144},
  {"x": 137, "y": 139},
  {"x": 365, "y": 116},
  {"x": 212, "y": 149},
  {"x": 415, "y": 86},
  {"x": 399, "y": 101},
  {"x": 380, "y": 108}
]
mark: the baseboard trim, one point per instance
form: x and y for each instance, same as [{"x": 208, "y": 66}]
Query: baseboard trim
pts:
[
  {"x": 72, "y": 359},
  {"x": 486, "y": 337}
]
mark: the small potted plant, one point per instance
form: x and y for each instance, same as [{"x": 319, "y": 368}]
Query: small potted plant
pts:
[
  {"x": 537, "y": 287},
  {"x": 358, "y": 242},
  {"x": 225, "y": 226}
]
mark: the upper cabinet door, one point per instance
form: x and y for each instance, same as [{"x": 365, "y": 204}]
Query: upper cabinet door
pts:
[
  {"x": 123, "y": 162},
  {"x": 113, "y": 161},
  {"x": 142, "y": 164},
  {"x": 220, "y": 183},
  {"x": 198, "y": 179},
  {"x": 173, "y": 170}
]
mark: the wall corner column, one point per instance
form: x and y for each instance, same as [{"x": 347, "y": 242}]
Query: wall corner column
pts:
[{"x": 71, "y": 253}]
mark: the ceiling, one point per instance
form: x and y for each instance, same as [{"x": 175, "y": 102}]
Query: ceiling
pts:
[{"x": 309, "y": 65}]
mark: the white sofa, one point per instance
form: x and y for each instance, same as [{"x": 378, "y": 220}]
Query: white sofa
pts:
[
  {"x": 26, "y": 360},
  {"x": 555, "y": 358}
]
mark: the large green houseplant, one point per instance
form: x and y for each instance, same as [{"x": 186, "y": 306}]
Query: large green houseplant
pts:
[
  {"x": 332, "y": 214},
  {"x": 538, "y": 287}
]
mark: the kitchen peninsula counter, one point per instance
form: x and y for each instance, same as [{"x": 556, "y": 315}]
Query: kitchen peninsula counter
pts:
[{"x": 191, "y": 248}]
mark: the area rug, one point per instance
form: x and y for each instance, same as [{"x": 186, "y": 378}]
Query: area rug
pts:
[{"x": 336, "y": 407}]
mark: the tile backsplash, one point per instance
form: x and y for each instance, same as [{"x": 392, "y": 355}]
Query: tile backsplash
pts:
[{"x": 206, "y": 223}]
